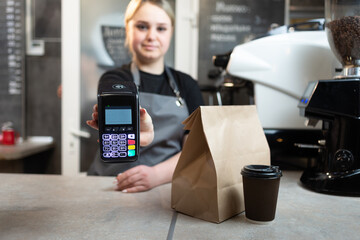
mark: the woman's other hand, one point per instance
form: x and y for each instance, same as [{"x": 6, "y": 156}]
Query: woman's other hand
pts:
[{"x": 137, "y": 179}]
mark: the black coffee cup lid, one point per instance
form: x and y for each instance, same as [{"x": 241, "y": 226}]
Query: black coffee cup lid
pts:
[{"x": 261, "y": 171}]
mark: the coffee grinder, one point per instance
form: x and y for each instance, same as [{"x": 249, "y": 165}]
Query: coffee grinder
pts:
[{"x": 337, "y": 103}]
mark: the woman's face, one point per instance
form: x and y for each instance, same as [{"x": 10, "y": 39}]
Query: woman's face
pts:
[{"x": 149, "y": 33}]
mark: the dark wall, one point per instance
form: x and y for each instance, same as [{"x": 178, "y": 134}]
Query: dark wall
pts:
[
  {"x": 43, "y": 107},
  {"x": 12, "y": 35},
  {"x": 43, "y": 76},
  {"x": 28, "y": 84},
  {"x": 309, "y": 3}
]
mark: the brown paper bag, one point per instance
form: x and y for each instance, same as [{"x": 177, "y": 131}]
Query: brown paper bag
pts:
[{"x": 207, "y": 182}]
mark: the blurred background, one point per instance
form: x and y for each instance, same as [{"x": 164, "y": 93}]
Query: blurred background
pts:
[{"x": 31, "y": 65}]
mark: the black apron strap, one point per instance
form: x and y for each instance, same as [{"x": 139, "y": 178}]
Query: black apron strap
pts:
[{"x": 136, "y": 75}]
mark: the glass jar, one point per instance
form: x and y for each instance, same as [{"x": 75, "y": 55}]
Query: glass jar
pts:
[{"x": 342, "y": 19}]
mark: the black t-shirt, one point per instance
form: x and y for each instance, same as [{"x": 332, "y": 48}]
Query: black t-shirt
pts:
[{"x": 159, "y": 84}]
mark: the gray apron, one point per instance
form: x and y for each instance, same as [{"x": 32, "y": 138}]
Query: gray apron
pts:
[{"x": 167, "y": 113}]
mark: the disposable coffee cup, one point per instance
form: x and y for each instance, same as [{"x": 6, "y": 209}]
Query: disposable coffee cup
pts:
[{"x": 261, "y": 187}]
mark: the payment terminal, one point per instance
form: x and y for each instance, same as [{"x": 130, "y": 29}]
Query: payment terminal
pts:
[{"x": 118, "y": 120}]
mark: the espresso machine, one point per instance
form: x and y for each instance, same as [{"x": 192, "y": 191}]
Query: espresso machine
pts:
[
  {"x": 279, "y": 67},
  {"x": 336, "y": 103}
]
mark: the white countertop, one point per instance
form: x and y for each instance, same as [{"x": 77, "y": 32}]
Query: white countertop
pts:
[
  {"x": 62, "y": 207},
  {"x": 25, "y": 148}
]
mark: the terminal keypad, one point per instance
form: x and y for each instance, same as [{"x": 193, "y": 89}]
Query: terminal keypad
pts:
[{"x": 118, "y": 145}]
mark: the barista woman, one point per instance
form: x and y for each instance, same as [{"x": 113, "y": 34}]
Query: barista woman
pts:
[{"x": 149, "y": 28}]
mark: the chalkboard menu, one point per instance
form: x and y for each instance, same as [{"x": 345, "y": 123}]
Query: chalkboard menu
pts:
[
  {"x": 11, "y": 60},
  {"x": 114, "y": 42},
  {"x": 227, "y": 23}
]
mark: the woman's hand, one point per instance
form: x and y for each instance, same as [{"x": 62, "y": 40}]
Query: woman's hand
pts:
[
  {"x": 137, "y": 179},
  {"x": 146, "y": 125},
  {"x": 146, "y": 128},
  {"x": 143, "y": 178},
  {"x": 95, "y": 116}
]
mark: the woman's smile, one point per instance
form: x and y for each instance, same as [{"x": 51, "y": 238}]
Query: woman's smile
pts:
[{"x": 149, "y": 47}]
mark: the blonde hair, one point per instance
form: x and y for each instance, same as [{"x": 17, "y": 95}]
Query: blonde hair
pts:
[{"x": 134, "y": 5}]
